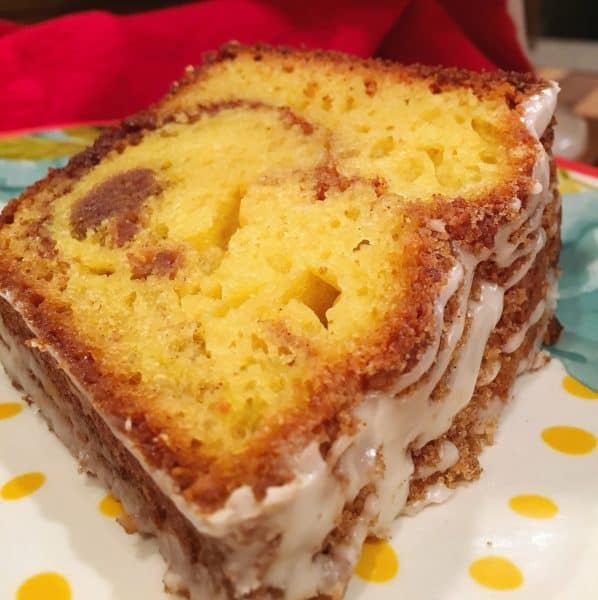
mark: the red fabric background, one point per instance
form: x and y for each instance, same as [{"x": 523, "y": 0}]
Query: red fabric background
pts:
[{"x": 96, "y": 66}]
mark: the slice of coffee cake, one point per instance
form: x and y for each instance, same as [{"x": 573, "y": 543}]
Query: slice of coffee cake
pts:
[{"x": 285, "y": 302}]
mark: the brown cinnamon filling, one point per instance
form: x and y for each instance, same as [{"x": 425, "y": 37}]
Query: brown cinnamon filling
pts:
[{"x": 118, "y": 198}]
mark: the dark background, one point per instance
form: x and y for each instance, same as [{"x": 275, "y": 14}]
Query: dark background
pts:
[
  {"x": 569, "y": 19},
  {"x": 551, "y": 18}
]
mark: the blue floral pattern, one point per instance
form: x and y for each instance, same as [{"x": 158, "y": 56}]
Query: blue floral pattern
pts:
[{"x": 577, "y": 309}]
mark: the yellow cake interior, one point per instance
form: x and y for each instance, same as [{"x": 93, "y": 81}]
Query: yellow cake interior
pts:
[{"x": 286, "y": 231}]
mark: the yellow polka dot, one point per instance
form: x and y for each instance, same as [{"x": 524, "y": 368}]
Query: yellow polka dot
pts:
[
  {"x": 110, "y": 507},
  {"x": 579, "y": 389},
  {"x": 45, "y": 586},
  {"x": 378, "y": 562},
  {"x": 22, "y": 486},
  {"x": 534, "y": 506},
  {"x": 496, "y": 572},
  {"x": 9, "y": 409},
  {"x": 569, "y": 440}
]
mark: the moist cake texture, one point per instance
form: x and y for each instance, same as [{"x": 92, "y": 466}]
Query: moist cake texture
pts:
[{"x": 287, "y": 302}]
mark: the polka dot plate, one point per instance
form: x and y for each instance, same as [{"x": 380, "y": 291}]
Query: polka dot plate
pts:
[{"x": 528, "y": 529}]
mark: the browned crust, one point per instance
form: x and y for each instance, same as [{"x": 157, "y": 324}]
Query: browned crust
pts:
[
  {"x": 205, "y": 480},
  {"x": 511, "y": 85},
  {"x": 471, "y": 430}
]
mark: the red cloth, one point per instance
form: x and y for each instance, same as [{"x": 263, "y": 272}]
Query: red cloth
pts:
[{"x": 95, "y": 66}]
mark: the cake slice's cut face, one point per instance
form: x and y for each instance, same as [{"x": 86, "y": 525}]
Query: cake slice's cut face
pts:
[
  {"x": 225, "y": 261},
  {"x": 259, "y": 233},
  {"x": 385, "y": 124}
]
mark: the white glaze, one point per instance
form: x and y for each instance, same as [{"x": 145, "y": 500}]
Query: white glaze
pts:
[
  {"x": 517, "y": 338},
  {"x": 436, "y": 493},
  {"x": 448, "y": 455},
  {"x": 539, "y": 108},
  {"x": 490, "y": 375}
]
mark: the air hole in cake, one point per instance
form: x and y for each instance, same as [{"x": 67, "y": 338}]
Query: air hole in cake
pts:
[
  {"x": 435, "y": 154},
  {"x": 361, "y": 244},
  {"x": 488, "y": 157},
  {"x": 383, "y": 147},
  {"x": 349, "y": 103},
  {"x": 258, "y": 344},
  {"x": 213, "y": 290},
  {"x": 230, "y": 220},
  {"x": 326, "y": 103},
  {"x": 103, "y": 271},
  {"x": 286, "y": 355},
  {"x": 486, "y": 130},
  {"x": 315, "y": 293}
]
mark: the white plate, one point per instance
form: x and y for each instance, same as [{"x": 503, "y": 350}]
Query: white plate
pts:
[{"x": 59, "y": 528}]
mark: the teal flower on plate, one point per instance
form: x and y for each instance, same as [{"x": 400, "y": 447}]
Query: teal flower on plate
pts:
[
  {"x": 577, "y": 307},
  {"x": 16, "y": 175},
  {"x": 27, "y": 158}
]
